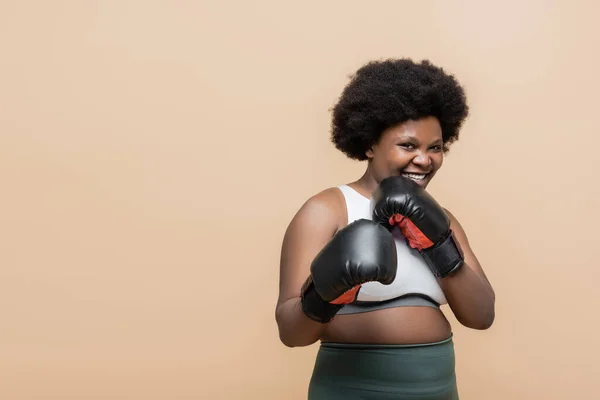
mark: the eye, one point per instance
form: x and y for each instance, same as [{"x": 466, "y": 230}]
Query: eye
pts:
[
  {"x": 436, "y": 148},
  {"x": 408, "y": 146}
]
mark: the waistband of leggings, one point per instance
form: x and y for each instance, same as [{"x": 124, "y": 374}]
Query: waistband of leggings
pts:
[{"x": 374, "y": 346}]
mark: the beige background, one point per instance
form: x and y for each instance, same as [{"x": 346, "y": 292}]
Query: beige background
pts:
[{"x": 153, "y": 153}]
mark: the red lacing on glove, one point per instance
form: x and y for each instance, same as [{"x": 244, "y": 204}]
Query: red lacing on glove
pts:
[{"x": 416, "y": 238}]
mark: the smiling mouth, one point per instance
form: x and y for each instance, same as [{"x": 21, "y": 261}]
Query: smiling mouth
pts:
[{"x": 419, "y": 178}]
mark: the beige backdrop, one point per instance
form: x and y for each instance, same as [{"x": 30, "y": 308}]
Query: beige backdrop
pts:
[{"x": 153, "y": 153}]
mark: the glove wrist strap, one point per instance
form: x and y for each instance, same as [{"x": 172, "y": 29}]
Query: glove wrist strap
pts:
[
  {"x": 314, "y": 306},
  {"x": 445, "y": 257}
]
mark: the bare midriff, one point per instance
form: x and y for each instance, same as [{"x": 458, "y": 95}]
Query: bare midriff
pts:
[{"x": 400, "y": 325}]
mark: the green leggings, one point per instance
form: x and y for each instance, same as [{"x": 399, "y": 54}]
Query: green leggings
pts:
[{"x": 377, "y": 372}]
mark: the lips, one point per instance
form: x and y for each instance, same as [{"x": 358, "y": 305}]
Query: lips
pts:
[{"x": 417, "y": 177}]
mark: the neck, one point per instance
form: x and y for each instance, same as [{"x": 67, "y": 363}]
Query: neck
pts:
[{"x": 366, "y": 183}]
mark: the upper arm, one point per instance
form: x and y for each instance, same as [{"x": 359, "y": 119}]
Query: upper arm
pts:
[
  {"x": 311, "y": 228},
  {"x": 460, "y": 234}
]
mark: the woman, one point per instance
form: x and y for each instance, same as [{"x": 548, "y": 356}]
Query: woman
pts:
[{"x": 365, "y": 266}]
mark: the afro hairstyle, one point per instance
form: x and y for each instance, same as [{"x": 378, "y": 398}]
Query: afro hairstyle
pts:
[{"x": 382, "y": 94}]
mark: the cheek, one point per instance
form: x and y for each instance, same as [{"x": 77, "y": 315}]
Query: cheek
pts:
[
  {"x": 399, "y": 158},
  {"x": 437, "y": 160}
]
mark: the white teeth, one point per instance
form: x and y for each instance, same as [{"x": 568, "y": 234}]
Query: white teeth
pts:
[{"x": 415, "y": 177}]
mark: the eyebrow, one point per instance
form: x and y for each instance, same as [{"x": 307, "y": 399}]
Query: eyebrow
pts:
[{"x": 414, "y": 139}]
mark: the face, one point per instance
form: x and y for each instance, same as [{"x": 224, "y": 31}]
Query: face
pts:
[{"x": 413, "y": 149}]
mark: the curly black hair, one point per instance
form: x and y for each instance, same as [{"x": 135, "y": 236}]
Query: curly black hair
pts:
[{"x": 385, "y": 93}]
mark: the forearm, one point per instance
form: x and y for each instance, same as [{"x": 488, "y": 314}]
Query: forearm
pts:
[
  {"x": 471, "y": 298},
  {"x": 295, "y": 328}
]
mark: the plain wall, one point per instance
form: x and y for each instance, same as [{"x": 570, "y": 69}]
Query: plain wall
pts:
[{"x": 153, "y": 153}]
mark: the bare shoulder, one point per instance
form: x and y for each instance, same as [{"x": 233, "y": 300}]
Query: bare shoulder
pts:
[
  {"x": 322, "y": 209},
  {"x": 457, "y": 228},
  {"x": 450, "y": 215},
  {"x": 461, "y": 236},
  {"x": 313, "y": 225}
]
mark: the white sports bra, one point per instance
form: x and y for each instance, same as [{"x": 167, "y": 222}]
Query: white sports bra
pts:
[{"x": 413, "y": 276}]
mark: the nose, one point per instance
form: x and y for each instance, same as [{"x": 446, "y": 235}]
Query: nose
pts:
[{"x": 422, "y": 160}]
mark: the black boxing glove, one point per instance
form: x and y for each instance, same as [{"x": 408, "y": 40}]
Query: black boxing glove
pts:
[
  {"x": 363, "y": 251},
  {"x": 401, "y": 202}
]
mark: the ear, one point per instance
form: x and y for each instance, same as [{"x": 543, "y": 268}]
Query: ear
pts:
[{"x": 369, "y": 153}]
